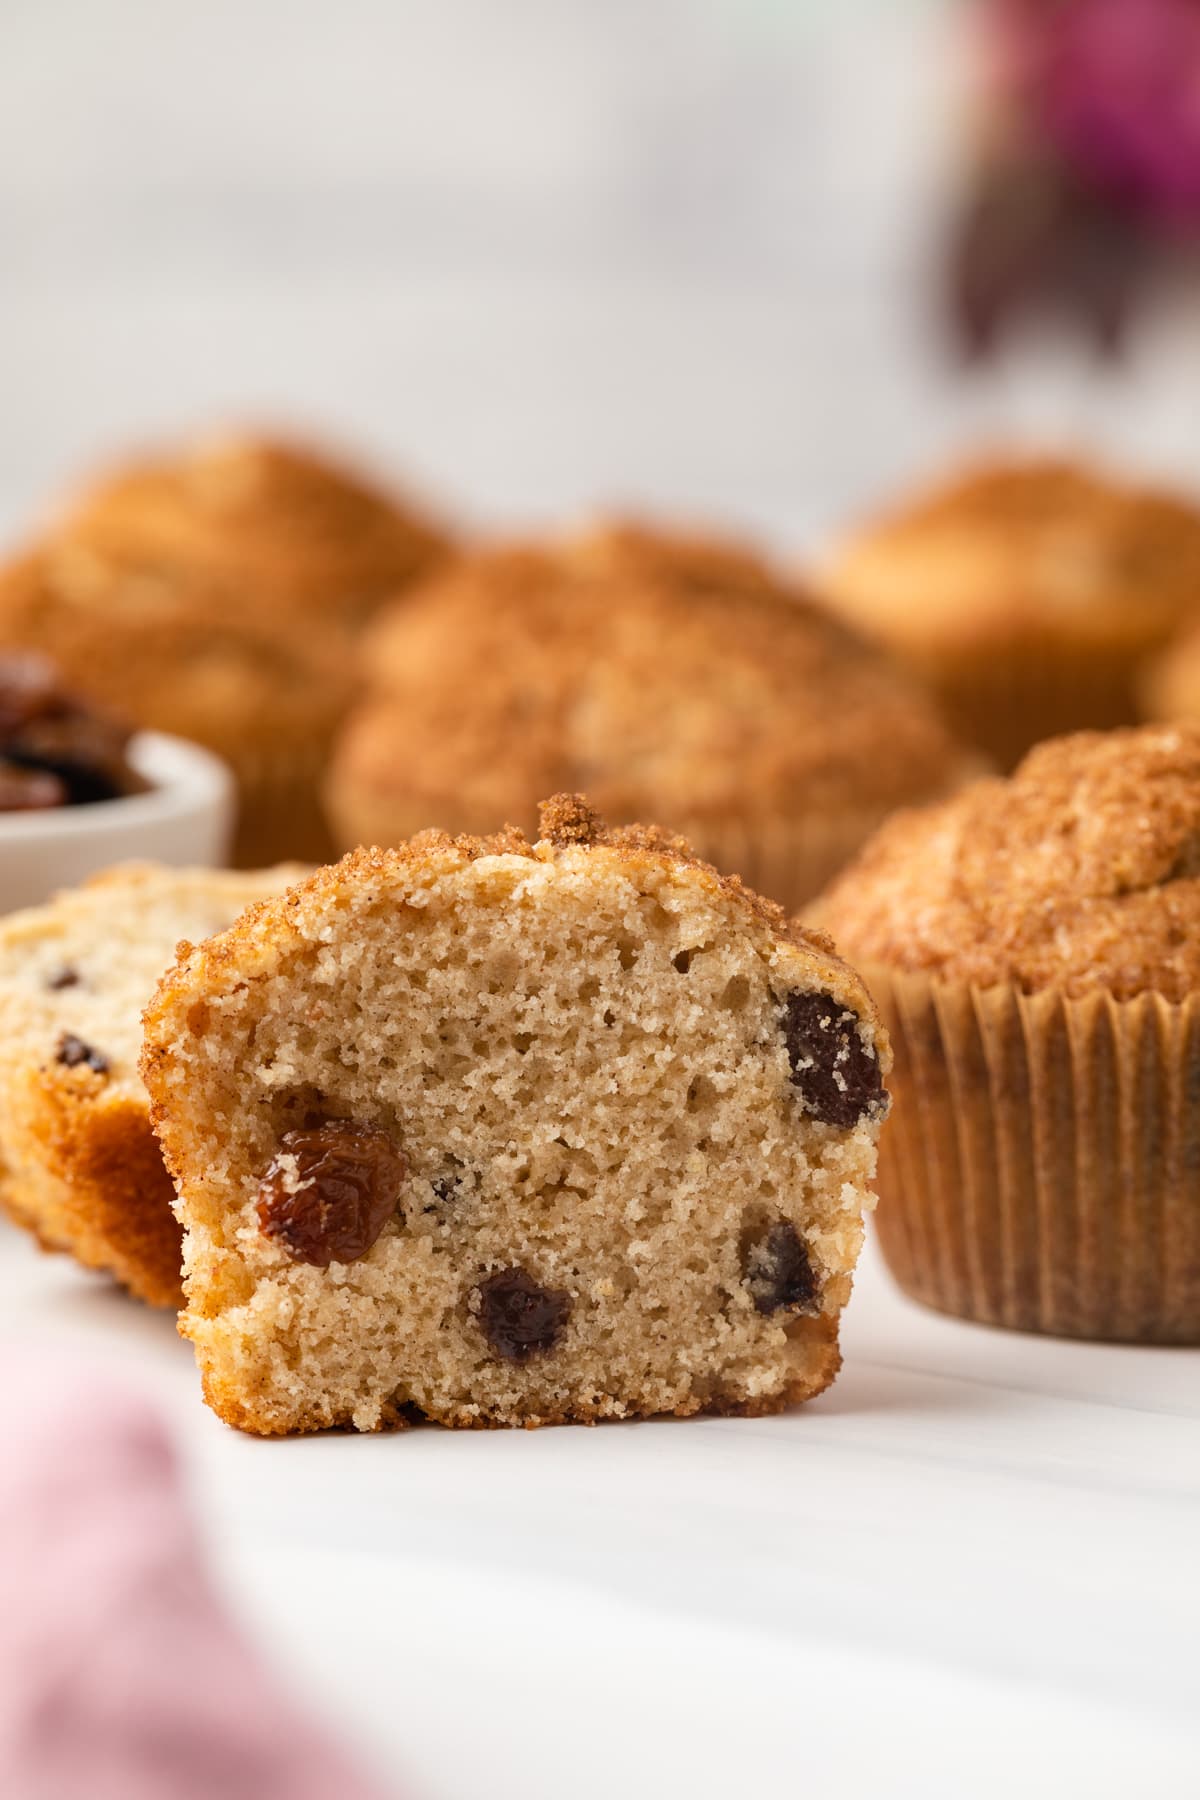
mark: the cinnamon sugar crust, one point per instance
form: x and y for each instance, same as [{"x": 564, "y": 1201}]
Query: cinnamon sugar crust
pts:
[
  {"x": 1079, "y": 872},
  {"x": 1013, "y": 550},
  {"x": 288, "y": 526},
  {"x": 680, "y": 683}
]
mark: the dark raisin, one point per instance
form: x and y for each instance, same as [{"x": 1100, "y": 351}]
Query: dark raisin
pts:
[
  {"x": 330, "y": 1190},
  {"x": 66, "y": 977},
  {"x": 83, "y": 775},
  {"x": 778, "y": 1272},
  {"x": 55, "y": 749},
  {"x": 837, "y": 1075},
  {"x": 73, "y": 1053},
  {"x": 520, "y": 1318}
]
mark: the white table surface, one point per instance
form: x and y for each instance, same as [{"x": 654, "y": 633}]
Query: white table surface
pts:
[{"x": 971, "y": 1569}]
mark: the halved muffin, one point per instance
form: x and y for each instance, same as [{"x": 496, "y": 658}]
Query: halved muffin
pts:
[{"x": 507, "y": 1133}]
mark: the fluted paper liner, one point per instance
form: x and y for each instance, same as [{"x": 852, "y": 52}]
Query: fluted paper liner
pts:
[
  {"x": 1041, "y": 1166},
  {"x": 789, "y": 860},
  {"x": 1007, "y": 698},
  {"x": 280, "y": 817}
]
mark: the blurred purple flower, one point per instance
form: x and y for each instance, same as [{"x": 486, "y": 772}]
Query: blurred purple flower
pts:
[{"x": 1113, "y": 86}]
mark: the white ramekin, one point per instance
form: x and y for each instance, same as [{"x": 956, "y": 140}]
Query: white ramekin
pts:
[{"x": 185, "y": 819}]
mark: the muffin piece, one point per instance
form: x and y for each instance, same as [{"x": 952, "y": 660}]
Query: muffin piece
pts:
[
  {"x": 681, "y": 682},
  {"x": 79, "y": 1165},
  {"x": 169, "y": 648},
  {"x": 289, "y": 529},
  {"x": 1027, "y": 594},
  {"x": 1034, "y": 945},
  {"x": 512, "y": 1134}
]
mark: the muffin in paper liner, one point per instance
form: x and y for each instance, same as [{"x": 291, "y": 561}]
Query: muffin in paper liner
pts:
[
  {"x": 1027, "y": 592},
  {"x": 1041, "y": 1168}
]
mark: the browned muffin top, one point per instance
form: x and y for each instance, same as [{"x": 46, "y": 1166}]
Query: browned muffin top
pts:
[
  {"x": 567, "y": 822},
  {"x": 175, "y": 651},
  {"x": 694, "y": 560},
  {"x": 1025, "y": 547},
  {"x": 525, "y": 670},
  {"x": 1080, "y": 871},
  {"x": 287, "y": 525}
]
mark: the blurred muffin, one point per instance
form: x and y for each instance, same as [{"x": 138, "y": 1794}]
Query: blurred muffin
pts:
[
  {"x": 285, "y": 526},
  {"x": 1027, "y": 594},
  {"x": 172, "y": 650},
  {"x": 1034, "y": 947},
  {"x": 733, "y": 710},
  {"x": 694, "y": 560},
  {"x": 1170, "y": 682}
]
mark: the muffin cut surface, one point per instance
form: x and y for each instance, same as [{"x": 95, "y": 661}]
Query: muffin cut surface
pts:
[{"x": 512, "y": 1134}]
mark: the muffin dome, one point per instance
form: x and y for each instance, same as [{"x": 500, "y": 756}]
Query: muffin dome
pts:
[
  {"x": 1027, "y": 593},
  {"x": 1080, "y": 873},
  {"x": 286, "y": 526},
  {"x": 725, "y": 708}
]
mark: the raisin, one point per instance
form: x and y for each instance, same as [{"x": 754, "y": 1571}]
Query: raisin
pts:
[
  {"x": 84, "y": 769},
  {"x": 330, "y": 1190},
  {"x": 56, "y": 750},
  {"x": 778, "y": 1272},
  {"x": 520, "y": 1318},
  {"x": 66, "y": 977},
  {"x": 74, "y": 1053},
  {"x": 837, "y": 1075}
]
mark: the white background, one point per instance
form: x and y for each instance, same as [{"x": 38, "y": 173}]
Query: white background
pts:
[{"x": 542, "y": 253}]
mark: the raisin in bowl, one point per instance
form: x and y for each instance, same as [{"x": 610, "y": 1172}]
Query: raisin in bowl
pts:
[{"x": 78, "y": 791}]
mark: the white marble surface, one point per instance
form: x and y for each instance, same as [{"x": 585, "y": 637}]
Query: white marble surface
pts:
[{"x": 970, "y": 1569}]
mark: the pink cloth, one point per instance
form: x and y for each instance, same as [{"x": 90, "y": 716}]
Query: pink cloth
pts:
[{"x": 121, "y": 1678}]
